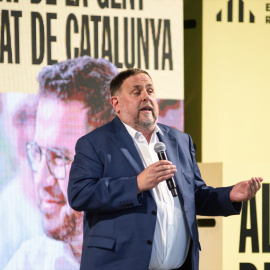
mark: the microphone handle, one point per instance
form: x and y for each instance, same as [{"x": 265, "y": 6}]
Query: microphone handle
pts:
[{"x": 170, "y": 182}]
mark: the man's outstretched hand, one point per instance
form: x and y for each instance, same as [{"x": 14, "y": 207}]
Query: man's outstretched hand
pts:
[{"x": 245, "y": 190}]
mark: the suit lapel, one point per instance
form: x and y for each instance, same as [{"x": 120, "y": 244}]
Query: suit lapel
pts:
[
  {"x": 170, "y": 143},
  {"x": 172, "y": 153},
  {"x": 122, "y": 139},
  {"x": 125, "y": 143}
]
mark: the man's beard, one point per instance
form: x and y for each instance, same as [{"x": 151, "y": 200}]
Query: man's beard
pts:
[
  {"x": 69, "y": 229},
  {"x": 145, "y": 124}
]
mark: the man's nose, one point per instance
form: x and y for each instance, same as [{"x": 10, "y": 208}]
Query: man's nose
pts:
[
  {"x": 145, "y": 95},
  {"x": 43, "y": 176}
]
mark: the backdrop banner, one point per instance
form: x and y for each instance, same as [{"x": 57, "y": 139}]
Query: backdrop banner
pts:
[
  {"x": 56, "y": 61},
  {"x": 236, "y": 37}
]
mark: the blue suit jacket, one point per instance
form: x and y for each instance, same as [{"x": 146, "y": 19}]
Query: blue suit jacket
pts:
[{"x": 119, "y": 224}]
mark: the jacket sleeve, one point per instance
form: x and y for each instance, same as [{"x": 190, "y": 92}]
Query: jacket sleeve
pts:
[
  {"x": 89, "y": 190},
  {"x": 211, "y": 201}
]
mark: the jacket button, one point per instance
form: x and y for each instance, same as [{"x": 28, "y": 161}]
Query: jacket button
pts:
[
  {"x": 154, "y": 212},
  {"x": 149, "y": 242}
]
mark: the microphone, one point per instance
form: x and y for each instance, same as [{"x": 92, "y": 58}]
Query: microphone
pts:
[{"x": 160, "y": 150}]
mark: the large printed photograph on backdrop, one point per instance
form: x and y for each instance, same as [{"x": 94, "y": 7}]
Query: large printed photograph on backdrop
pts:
[
  {"x": 39, "y": 228},
  {"x": 46, "y": 106}
]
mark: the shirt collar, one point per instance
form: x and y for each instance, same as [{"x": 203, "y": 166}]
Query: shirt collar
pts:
[{"x": 133, "y": 132}]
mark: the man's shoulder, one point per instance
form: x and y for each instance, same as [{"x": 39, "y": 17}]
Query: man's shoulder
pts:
[
  {"x": 100, "y": 131},
  {"x": 173, "y": 131},
  {"x": 103, "y": 133}
]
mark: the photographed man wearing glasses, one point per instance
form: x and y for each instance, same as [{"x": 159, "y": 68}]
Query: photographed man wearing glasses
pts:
[
  {"x": 17, "y": 197},
  {"x": 73, "y": 100}
]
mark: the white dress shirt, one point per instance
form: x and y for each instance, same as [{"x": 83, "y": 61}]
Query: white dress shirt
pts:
[{"x": 171, "y": 238}]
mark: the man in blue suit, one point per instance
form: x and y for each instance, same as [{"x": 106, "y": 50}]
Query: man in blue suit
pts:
[{"x": 131, "y": 220}]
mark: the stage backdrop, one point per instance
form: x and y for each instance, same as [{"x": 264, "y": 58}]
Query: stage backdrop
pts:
[
  {"x": 145, "y": 34},
  {"x": 235, "y": 116}
]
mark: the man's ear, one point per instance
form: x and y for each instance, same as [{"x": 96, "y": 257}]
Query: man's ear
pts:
[{"x": 115, "y": 103}]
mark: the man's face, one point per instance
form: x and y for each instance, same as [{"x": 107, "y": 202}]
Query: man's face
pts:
[
  {"x": 59, "y": 125},
  {"x": 136, "y": 104},
  {"x": 19, "y": 112},
  {"x": 19, "y": 120}
]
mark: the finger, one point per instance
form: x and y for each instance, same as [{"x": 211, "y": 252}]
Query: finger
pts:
[
  {"x": 258, "y": 183},
  {"x": 252, "y": 186},
  {"x": 166, "y": 173},
  {"x": 161, "y": 163},
  {"x": 164, "y": 168},
  {"x": 165, "y": 177},
  {"x": 255, "y": 185}
]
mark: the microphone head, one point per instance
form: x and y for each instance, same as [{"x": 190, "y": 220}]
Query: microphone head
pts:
[{"x": 159, "y": 147}]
